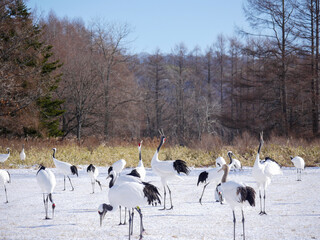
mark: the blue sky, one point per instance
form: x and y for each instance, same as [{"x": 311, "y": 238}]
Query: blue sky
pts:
[{"x": 156, "y": 24}]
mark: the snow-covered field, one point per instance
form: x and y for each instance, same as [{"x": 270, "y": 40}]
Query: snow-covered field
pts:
[{"x": 293, "y": 210}]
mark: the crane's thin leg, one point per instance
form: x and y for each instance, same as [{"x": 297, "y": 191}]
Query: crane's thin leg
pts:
[
  {"x": 203, "y": 193},
  {"x": 130, "y": 221},
  {"x": 260, "y": 203},
  {"x": 99, "y": 184},
  {"x": 264, "y": 203},
  {"x": 234, "y": 226},
  {"x": 244, "y": 237},
  {"x": 141, "y": 222},
  {"x": 120, "y": 215},
  {"x": 300, "y": 174},
  {"x": 70, "y": 183},
  {"x": 132, "y": 214},
  {"x": 92, "y": 184},
  {"x": 170, "y": 198},
  {"x": 5, "y": 190},
  {"x": 125, "y": 216},
  {"x": 64, "y": 181},
  {"x": 46, "y": 206},
  {"x": 50, "y": 197},
  {"x": 164, "y": 198}
]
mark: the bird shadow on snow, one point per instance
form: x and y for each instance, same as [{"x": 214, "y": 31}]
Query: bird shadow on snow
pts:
[
  {"x": 82, "y": 210},
  {"x": 47, "y": 225}
]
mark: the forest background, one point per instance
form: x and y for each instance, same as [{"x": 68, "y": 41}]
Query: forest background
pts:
[{"x": 65, "y": 83}]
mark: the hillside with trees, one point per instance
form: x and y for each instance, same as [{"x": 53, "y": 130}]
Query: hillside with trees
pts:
[{"x": 60, "y": 77}]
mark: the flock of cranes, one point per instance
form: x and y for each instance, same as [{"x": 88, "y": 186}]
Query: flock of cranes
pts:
[{"x": 132, "y": 192}]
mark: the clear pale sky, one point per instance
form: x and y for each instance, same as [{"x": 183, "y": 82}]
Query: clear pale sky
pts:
[{"x": 156, "y": 23}]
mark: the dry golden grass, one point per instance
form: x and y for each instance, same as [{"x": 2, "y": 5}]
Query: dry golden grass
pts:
[{"x": 199, "y": 154}]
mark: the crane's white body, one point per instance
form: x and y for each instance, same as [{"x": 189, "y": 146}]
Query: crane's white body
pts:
[
  {"x": 127, "y": 194},
  {"x": 4, "y": 156},
  {"x": 4, "y": 180},
  {"x": 117, "y": 166},
  {"x": 220, "y": 161},
  {"x": 236, "y": 164},
  {"x": 262, "y": 172},
  {"x": 299, "y": 163},
  {"x": 22, "y": 154},
  {"x": 47, "y": 182},
  {"x": 65, "y": 168}
]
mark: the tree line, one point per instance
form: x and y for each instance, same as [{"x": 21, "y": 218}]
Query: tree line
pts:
[{"x": 60, "y": 77}]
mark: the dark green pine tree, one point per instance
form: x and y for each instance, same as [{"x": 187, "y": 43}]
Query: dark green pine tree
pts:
[
  {"x": 50, "y": 111},
  {"x": 29, "y": 61}
]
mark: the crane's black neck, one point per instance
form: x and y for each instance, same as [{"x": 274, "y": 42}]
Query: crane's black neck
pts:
[
  {"x": 113, "y": 179},
  {"x": 54, "y": 153},
  {"x": 260, "y": 145},
  {"x": 230, "y": 157},
  {"x": 140, "y": 154}
]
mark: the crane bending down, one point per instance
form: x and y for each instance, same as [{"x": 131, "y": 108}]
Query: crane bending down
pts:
[
  {"x": 93, "y": 172},
  {"x": 262, "y": 172},
  {"x": 132, "y": 195},
  {"x": 210, "y": 176},
  {"x": 65, "y": 168},
  {"x": 4, "y": 179},
  {"x": 214, "y": 175},
  {"x": 122, "y": 179},
  {"x": 167, "y": 170},
  {"x": 236, "y": 195},
  {"x": 47, "y": 183}
]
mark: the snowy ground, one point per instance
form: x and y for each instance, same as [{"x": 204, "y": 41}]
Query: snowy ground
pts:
[{"x": 293, "y": 210}]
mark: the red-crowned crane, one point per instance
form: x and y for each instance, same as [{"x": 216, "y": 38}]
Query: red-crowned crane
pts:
[
  {"x": 234, "y": 163},
  {"x": 132, "y": 195},
  {"x": 22, "y": 154},
  {"x": 236, "y": 195},
  {"x": 210, "y": 176},
  {"x": 167, "y": 170},
  {"x": 93, "y": 173},
  {"x": 122, "y": 179},
  {"x": 4, "y": 156},
  {"x": 220, "y": 161},
  {"x": 262, "y": 172},
  {"x": 47, "y": 183},
  {"x": 4, "y": 180},
  {"x": 65, "y": 168},
  {"x": 299, "y": 163}
]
